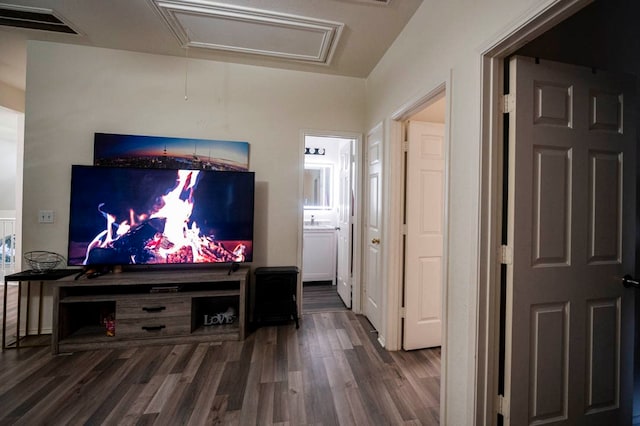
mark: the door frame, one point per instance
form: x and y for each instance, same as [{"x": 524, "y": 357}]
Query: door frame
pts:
[
  {"x": 357, "y": 214},
  {"x": 535, "y": 22},
  {"x": 396, "y": 268},
  {"x": 394, "y": 155},
  {"x": 394, "y": 241}
]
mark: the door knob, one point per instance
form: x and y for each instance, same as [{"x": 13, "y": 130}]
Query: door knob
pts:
[
  {"x": 375, "y": 241},
  {"x": 628, "y": 281}
]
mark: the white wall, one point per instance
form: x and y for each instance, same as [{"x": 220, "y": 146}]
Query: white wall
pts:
[
  {"x": 444, "y": 41},
  {"x": 75, "y": 91}
]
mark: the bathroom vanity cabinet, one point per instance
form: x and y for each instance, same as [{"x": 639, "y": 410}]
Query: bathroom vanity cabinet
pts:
[{"x": 319, "y": 254}]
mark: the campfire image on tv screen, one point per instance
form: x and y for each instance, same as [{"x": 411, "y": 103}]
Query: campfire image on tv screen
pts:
[{"x": 122, "y": 216}]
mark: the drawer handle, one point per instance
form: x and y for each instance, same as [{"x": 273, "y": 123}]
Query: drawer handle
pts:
[
  {"x": 154, "y": 308},
  {"x": 153, "y": 327}
]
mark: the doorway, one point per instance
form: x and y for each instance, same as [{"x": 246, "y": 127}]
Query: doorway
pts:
[
  {"x": 419, "y": 219},
  {"x": 425, "y": 226},
  {"x": 11, "y": 142},
  {"x": 551, "y": 35},
  {"x": 330, "y": 225}
]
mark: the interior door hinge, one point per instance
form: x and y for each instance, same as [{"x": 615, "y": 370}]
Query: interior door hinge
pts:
[
  {"x": 508, "y": 103},
  {"x": 502, "y": 405},
  {"x": 405, "y": 146},
  {"x": 505, "y": 255},
  {"x": 403, "y": 312},
  {"x": 404, "y": 229}
]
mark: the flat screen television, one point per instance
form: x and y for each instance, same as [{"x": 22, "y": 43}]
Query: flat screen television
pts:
[{"x": 136, "y": 216}]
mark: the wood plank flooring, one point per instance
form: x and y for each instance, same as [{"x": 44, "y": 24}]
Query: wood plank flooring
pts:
[
  {"x": 321, "y": 298},
  {"x": 331, "y": 371}
]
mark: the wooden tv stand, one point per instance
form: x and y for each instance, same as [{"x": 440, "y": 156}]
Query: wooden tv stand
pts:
[{"x": 149, "y": 307}]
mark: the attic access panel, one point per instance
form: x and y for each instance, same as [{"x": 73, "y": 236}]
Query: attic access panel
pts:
[{"x": 224, "y": 27}]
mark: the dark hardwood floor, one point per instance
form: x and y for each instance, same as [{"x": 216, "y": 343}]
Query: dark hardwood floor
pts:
[
  {"x": 331, "y": 371},
  {"x": 321, "y": 297}
]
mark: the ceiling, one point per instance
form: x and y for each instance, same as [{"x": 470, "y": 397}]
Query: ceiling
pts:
[{"x": 342, "y": 37}]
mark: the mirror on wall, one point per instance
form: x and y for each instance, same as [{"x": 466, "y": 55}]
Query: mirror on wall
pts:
[{"x": 317, "y": 186}]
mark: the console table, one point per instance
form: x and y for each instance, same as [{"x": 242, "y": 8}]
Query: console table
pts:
[
  {"x": 149, "y": 307},
  {"x": 27, "y": 277}
]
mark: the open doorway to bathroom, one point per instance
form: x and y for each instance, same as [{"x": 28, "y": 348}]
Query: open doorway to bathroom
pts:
[{"x": 329, "y": 260}]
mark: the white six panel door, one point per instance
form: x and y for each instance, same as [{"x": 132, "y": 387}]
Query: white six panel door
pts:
[
  {"x": 571, "y": 228},
  {"x": 424, "y": 262},
  {"x": 344, "y": 225},
  {"x": 373, "y": 229}
]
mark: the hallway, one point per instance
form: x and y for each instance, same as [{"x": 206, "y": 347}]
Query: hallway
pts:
[{"x": 321, "y": 297}]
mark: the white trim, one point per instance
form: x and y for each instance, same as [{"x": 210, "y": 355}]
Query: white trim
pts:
[
  {"x": 392, "y": 235},
  {"x": 416, "y": 105},
  {"x": 533, "y": 23},
  {"x": 447, "y": 251},
  {"x": 356, "y": 279},
  {"x": 299, "y": 248}
]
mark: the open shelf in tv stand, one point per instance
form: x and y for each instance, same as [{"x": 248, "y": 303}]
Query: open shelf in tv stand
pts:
[{"x": 150, "y": 307}]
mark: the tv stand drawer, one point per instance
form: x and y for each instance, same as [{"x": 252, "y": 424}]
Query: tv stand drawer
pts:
[
  {"x": 153, "y": 327},
  {"x": 152, "y": 307}
]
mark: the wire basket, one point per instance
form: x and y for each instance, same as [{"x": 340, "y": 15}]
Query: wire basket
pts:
[{"x": 42, "y": 261}]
